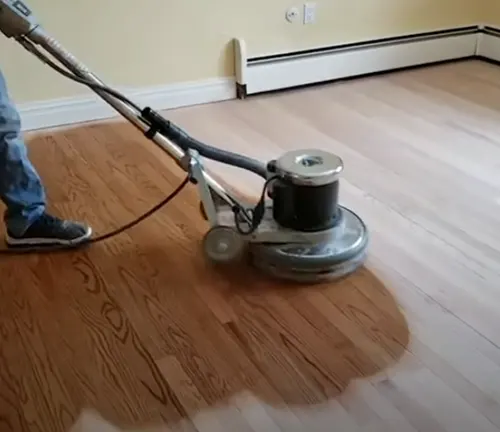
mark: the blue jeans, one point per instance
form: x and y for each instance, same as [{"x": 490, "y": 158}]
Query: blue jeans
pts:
[{"x": 21, "y": 189}]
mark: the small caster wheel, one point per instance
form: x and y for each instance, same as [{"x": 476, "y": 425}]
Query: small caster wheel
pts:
[{"x": 223, "y": 245}]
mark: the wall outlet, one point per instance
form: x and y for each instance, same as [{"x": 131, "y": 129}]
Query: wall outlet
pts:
[
  {"x": 309, "y": 13},
  {"x": 292, "y": 14}
]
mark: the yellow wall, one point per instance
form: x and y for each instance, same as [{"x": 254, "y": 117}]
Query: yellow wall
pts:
[
  {"x": 150, "y": 42},
  {"x": 492, "y": 12}
]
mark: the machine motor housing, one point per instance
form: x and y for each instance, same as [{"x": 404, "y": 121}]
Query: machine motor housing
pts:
[{"x": 305, "y": 190}]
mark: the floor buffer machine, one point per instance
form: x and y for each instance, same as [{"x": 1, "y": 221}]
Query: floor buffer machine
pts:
[{"x": 297, "y": 231}]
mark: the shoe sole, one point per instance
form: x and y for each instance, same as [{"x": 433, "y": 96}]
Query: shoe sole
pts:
[{"x": 33, "y": 242}]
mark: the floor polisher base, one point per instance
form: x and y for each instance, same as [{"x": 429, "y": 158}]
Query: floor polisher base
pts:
[{"x": 342, "y": 254}]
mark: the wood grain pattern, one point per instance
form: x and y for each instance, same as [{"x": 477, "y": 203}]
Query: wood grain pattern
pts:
[{"x": 143, "y": 332}]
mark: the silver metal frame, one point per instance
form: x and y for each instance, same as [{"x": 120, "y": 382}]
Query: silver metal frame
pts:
[{"x": 219, "y": 213}]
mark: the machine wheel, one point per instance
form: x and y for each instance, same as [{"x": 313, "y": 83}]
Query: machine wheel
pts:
[{"x": 223, "y": 245}]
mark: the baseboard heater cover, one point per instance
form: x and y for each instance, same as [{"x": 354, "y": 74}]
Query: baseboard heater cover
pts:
[
  {"x": 282, "y": 71},
  {"x": 489, "y": 44}
]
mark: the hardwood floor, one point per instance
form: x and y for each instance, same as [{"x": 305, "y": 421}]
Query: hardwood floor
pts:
[{"x": 141, "y": 331}]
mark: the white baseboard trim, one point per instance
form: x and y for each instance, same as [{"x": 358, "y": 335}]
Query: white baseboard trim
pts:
[
  {"x": 489, "y": 43},
  {"x": 256, "y": 75},
  {"x": 73, "y": 110}
]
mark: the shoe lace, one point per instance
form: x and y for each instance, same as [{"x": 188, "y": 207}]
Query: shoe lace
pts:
[{"x": 50, "y": 221}]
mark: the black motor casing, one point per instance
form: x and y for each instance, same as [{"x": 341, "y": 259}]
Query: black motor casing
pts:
[{"x": 305, "y": 190}]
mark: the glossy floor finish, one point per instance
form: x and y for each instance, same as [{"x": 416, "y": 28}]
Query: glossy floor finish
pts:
[{"x": 142, "y": 332}]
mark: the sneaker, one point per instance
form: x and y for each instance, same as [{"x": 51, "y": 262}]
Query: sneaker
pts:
[{"x": 49, "y": 230}]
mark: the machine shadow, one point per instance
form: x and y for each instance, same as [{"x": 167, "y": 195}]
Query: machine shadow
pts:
[
  {"x": 308, "y": 342},
  {"x": 290, "y": 349},
  {"x": 229, "y": 331}
]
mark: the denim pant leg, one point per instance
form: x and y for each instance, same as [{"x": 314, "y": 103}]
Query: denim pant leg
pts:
[{"x": 21, "y": 189}]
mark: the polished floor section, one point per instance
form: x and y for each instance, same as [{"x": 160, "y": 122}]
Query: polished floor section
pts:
[{"x": 141, "y": 332}]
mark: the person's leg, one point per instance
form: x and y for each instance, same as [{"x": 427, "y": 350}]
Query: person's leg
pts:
[{"x": 21, "y": 188}]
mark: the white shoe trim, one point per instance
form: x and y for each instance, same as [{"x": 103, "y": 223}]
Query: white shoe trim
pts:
[{"x": 12, "y": 241}]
